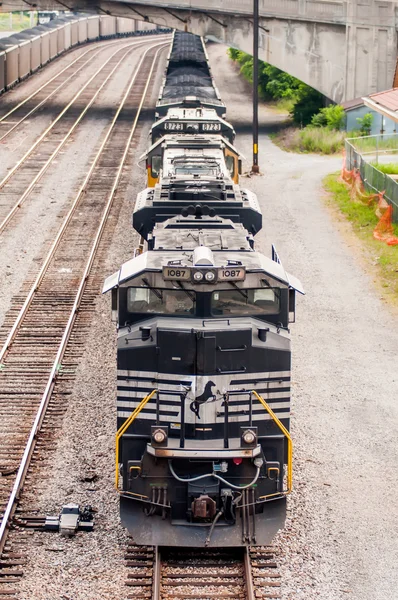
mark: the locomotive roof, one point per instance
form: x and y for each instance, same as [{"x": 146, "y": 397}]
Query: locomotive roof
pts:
[
  {"x": 154, "y": 261},
  {"x": 207, "y": 114},
  {"x": 190, "y": 99},
  {"x": 184, "y": 141},
  {"x": 197, "y": 115},
  {"x": 186, "y": 233}
]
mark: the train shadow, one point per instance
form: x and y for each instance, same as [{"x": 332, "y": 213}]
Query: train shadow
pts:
[{"x": 264, "y": 128}]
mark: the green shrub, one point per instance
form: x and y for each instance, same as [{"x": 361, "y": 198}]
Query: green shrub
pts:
[
  {"x": 365, "y": 123},
  {"x": 233, "y": 53},
  {"x": 332, "y": 117},
  {"x": 319, "y": 119},
  {"x": 309, "y": 104},
  {"x": 247, "y": 69},
  {"x": 275, "y": 84}
]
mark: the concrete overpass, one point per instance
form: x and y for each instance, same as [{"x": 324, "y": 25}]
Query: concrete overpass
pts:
[{"x": 344, "y": 49}]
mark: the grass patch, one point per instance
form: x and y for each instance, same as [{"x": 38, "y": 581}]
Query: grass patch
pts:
[
  {"x": 372, "y": 144},
  {"x": 284, "y": 105},
  {"x": 387, "y": 168},
  {"x": 318, "y": 140},
  {"x": 364, "y": 220}
]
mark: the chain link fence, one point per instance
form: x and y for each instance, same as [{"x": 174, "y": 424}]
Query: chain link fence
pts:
[{"x": 361, "y": 152}]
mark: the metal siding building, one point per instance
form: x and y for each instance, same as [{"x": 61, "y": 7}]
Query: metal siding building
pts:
[{"x": 356, "y": 109}]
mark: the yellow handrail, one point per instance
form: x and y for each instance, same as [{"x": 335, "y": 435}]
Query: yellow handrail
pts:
[
  {"x": 124, "y": 427},
  {"x": 289, "y": 442}
]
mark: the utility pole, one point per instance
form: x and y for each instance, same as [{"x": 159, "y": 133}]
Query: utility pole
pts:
[{"x": 255, "y": 167}]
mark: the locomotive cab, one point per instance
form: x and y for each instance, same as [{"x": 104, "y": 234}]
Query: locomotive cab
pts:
[
  {"x": 167, "y": 154},
  {"x": 203, "y": 395}
]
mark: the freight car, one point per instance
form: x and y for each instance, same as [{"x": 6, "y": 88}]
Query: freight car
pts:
[
  {"x": 10, "y": 62},
  {"x": 203, "y": 449},
  {"x": 24, "y": 53},
  {"x": 188, "y": 82},
  {"x": 33, "y": 38}
]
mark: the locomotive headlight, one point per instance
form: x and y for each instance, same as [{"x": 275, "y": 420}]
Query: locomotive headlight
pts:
[
  {"x": 249, "y": 436},
  {"x": 198, "y": 276},
  {"x": 159, "y": 436},
  {"x": 210, "y": 276},
  {"x": 258, "y": 462}
]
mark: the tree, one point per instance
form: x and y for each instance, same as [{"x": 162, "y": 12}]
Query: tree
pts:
[
  {"x": 275, "y": 84},
  {"x": 309, "y": 104}
]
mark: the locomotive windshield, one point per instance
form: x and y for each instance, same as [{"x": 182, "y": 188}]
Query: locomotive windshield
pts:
[
  {"x": 160, "y": 301},
  {"x": 196, "y": 167},
  {"x": 181, "y": 302},
  {"x": 246, "y": 302}
]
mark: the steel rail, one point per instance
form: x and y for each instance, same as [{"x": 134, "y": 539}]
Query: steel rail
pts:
[
  {"x": 250, "y": 591},
  {"x": 62, "y": 84},
  {"x": 23, "y": 468},
  {"x": 42, "y": 87},
  {"x": 46, "y": 165},
  {"x": 58, "y": 118},
  {"x": 64, "y": 225},
  {"x": 156, "y": 574}
]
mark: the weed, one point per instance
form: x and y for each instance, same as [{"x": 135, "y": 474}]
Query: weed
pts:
[
  {"x": 311, "y": 139},
  {"x": 388, "y": 168},
  {"x": 364, "y": 219}
]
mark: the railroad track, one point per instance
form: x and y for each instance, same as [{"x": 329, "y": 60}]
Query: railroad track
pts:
[
  {"x": 50, "y": 329},
  {"x": 29, "y": 105},
  {"x": 201, "y": 574},
  {"x": 21, "y": 180}
]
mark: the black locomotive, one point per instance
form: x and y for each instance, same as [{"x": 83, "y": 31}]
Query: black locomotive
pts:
[{"x": 203, "y": 450}]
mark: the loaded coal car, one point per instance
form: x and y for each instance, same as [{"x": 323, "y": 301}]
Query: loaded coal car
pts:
[
  {"x": 30, "y": 58},
  {"x": 2, "y": 70},
  {"x": 203, "y": 450},
  {"x": 10, "y": 56},
  {"x": 188, "y": 82},
  {"x": 24, "y": 58}
]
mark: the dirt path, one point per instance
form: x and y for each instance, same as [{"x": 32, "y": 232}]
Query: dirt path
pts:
[{"x": 341, "y": 538}]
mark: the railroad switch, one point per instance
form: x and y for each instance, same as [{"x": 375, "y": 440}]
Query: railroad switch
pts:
[{"x": 71, "y": 519}]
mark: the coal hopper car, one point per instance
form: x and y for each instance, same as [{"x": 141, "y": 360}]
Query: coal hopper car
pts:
[{"x": 188, "y": 82}]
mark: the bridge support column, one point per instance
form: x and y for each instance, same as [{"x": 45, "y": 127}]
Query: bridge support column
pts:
[{"x": 371, "y": 49}]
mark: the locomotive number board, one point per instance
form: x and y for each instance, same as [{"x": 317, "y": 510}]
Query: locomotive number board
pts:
[
  {"x": 231, "y": 274},
  {"x": 211, "y": 127},
  {"x": 223, "y": 274},
  {"x": 174, "y": 126},
  {"x": 180, "y": 126},
  {"x": 180, "y": 273}
]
